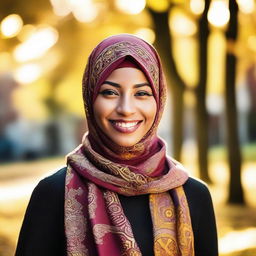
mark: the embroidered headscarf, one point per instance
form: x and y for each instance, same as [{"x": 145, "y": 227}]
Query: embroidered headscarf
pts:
[{"x": 98, "y": 170}]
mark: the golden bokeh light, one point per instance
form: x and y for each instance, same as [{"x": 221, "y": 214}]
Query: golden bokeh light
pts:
[
  {"x": 218, "y": 14},
  {"x": 216, "y": 62},
  {"x": 36, "y": 45},
  {"x": 84, "y": 11},
  {"x": 197, "y": 6},
  {"x": 185, "y": 53},
  {"x": 11, "y": 25},
  {"x": 181, "y": 24},
  {"x": 26, "y": 32},
  {"x": 158, "y": 5},
  {"x": 246, "y": 6},
  {"x": 5, "y": 61},
  {"x": 237, "y": 241},
  {"x": 60, "y": 7},
  {"x": 252, "y": 43},
  {"x": 131, "y": 6},
  {"x": 147, "y": 34},
  {"x": 27, "y": 73}
]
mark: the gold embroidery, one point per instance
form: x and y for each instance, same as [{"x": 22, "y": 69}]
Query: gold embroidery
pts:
[
  {"x": 135, "y": 179},
  {"x": 92, "y": 199},
  {"x": 75, "y": 223},
  {"x": 100, "y": 230},
  {"x": 121, "y": 223},
  {"x": 118, "y": 50}
]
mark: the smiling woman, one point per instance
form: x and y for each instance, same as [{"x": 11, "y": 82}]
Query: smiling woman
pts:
[
  {"x": 125, "y": 108},
  {"x": 120, "y": 194}
]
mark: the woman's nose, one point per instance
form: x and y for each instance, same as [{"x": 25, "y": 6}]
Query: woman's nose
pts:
[{"x": 126, "y": 106}]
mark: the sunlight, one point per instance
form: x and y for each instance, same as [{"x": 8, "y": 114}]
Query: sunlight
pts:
[
  {"x": 27, "y": 73},
  {"x": 249, "y": 175},
  {"x": 252, "y": 43},
  {"x": 147, "y": 34},
  {"x": 11, "y": 25},
  {"x": 181, "y": 24},
  {"x": 84, "y": 11},
  {"x": 238, "y": 240},
  {"x": 60, "y": 7},
  {"x": 131, "y": 6},
  {"x": 216, "y": 62},
  {"x": 185, "y": 53},
  {"x": 158, "y": 5},
  {"x": 215, "y": 103},
  {"x": 218, "y": 14},
  {"x": 36, "y": 45},
  {"x": 15, "y": 192},
  {"x": 246, "y": 6},
  {"x": 5, "y": 61},
  {"x": 26, "y": 32},
  {"x": 197, "y": 6}
]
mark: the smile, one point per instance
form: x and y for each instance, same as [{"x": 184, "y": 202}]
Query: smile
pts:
[{"x": 124, "y": 126}]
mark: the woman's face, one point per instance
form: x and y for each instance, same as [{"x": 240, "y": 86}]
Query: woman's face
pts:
[{"x": 125, "y": 107}]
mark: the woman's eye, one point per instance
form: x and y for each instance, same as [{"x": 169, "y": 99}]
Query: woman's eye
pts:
[
  {"x": 108, "y": 92},
  {"x": 143, "y": 93}
]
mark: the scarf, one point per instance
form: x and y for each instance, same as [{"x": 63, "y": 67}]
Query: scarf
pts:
[{"x": 98, "y": 170}]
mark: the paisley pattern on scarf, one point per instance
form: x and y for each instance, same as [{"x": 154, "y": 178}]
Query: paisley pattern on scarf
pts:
[
  {"x": 121, "y": 223},
  {"x": 75, "y": 223},
  {"x": 169, "y": 209},
  {"x": 119, "y": 50},
  {"x": 185, "y": 236},
  {"x": 172, "y": 225},
  {"x": 104, "y": 177},
  {"x": 92, "y": 200}
]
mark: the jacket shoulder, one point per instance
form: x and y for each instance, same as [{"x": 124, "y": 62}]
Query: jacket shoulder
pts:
[
  {"x": 195, "y": 187},
  {"x": 54, "y": 181}
]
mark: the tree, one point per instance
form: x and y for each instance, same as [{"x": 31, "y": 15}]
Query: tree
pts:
[
  {"x": 234, "y": 154},
  {"x": 177, "y": 85},
  {"x": 201, "y": 114}
]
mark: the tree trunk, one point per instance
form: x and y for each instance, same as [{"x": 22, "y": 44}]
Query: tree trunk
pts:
[
  {"x": 234, "y": 154},
  {"x": 164, "y": 47},
  {"x": 200, "y": 93}
]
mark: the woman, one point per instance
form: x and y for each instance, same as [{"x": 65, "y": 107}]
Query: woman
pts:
[{"x": 120, "y": 194}]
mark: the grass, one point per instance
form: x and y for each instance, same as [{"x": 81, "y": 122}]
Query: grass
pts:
[{"x": 248, "y": 152}]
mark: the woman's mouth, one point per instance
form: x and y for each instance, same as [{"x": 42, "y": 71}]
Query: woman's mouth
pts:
[{"x": 125, "y": 126}]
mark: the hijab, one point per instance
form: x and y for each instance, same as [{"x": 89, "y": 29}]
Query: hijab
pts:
[{"x": 99, "y": 169}]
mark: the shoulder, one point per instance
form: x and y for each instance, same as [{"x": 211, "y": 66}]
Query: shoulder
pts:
[
  {"x": 56, "y": 179},
  {"x": 196, "y": 187},
  {"x": 197, "y": 193},
  {"x": 42, "y": 231},
  {"x": 48, "y": 195},
  {"x": 52, "y": 185}
]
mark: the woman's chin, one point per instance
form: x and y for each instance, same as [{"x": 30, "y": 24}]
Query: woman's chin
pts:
[{"x": 125, "y": 142}]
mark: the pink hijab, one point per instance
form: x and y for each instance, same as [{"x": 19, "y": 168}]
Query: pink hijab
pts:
[{"x": 98, "y": 170}]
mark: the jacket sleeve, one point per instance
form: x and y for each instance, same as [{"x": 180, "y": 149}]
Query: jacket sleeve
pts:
[
  {"x": 203, "y": 218},
  {"x": 42, "y": 231},
  {"x": 206, "y": 240}
]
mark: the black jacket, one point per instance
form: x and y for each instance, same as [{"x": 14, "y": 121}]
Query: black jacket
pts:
[{"x": 42, "y": 232}]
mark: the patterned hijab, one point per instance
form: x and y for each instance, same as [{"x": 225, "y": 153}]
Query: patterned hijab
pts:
[{"x": 98, "y": 170}]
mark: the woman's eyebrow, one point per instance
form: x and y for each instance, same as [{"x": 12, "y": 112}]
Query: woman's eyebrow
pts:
[
  {"x": 112, "y": 83},
  {"x": 119, "y": 86},
  {"x": 141, "y": 85}
]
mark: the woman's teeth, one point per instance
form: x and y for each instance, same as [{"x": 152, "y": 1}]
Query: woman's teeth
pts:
[{"x": 125, "y": 124}]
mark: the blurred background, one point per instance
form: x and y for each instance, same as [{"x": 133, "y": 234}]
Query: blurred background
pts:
[{"x": 208, "y": 49}]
